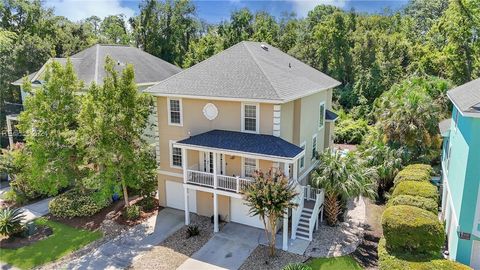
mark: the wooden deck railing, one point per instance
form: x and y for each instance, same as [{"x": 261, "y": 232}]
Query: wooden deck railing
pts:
[{"x": 224, "y": 182}]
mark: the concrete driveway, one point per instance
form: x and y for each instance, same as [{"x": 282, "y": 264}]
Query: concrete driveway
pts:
[{"x": 228, "y": 249}]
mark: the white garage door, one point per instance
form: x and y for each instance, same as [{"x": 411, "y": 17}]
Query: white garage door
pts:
[
  {"x": 475, "y": 261},
  {"x": 239, "y": 213},
  {"x": 175, "y": 196}
]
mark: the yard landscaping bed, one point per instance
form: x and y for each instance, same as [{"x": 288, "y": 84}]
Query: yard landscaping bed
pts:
[
  {"x": 64, "y": 240},
  {"x": 177, "y": 248},
  {"x": 14, "y": 242},
  {"x": 259, "y": 259}
]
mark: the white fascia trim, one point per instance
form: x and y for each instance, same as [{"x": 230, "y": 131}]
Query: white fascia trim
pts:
[
  {"x": 172, "y": 174},
  {"x": 257, "y": 117},
  {"x": 180, "y": 104},
  {"x": 213, "y": 191},
  {"x": 449, "y": 195},
  {"x": 239, "y": 153}
]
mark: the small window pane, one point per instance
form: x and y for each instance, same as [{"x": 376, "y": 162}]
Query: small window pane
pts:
[
  {"x": 322, "y": 116},
  {"x": 314, "y": 147},
  {"x": 176, "y": 156},
  {"x": 175, "y": 117},
  {"x": 250, "y": 118},
  {"x": 250, "y": 124}
]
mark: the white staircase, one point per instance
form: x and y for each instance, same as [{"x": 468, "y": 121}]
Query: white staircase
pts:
[
  {"x": 303, "y": 228},
  {"x": 305, "y": 217}
]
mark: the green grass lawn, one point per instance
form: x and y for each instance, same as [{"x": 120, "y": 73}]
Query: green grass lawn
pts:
[
  {"x": 64, "y": 240},
  {"x": 337, "y": 263}
]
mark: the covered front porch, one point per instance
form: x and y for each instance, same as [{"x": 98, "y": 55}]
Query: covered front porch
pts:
[{"x": 223, "y": 163}]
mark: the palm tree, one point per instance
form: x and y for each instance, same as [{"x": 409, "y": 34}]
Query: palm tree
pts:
[
  {"x": 269, "y": 197},
  {"x": 342, "y": 178},
  {"x": 386, "y": 161}
]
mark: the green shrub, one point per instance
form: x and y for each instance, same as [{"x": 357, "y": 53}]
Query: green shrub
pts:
[
  {"x": 11, "y": 221},
  {"x": 13, "y": 197},
  {"x": 414, "y": 188},
  {"x": 74, "y": 203},
  {"x": 132, "y": 212},
  {"x": 411, "y": 229},
  {"x": 148, "y": 203},
  {"x": 417, "y": 201},
  {"x": 350, "y": 131},
  {"x": 403, "y": 261},
  {"x": 297, "y": 266},
  {"x": 192, "y": 230},
  {"x": 415, "y": 172}
]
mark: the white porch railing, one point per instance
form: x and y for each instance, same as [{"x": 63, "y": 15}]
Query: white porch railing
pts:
[
  {"x": 297, "y": 212},
  {"x": 228, "y": 183},
  {"x": 310, "y": 194},
  {"x": 316, "y": 210}
]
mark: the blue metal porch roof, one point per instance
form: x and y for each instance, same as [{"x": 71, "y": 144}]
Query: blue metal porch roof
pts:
[{"x": 244, "y": 142}]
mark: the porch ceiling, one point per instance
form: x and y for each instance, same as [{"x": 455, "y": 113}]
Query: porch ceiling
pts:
[{"x": 243, "y": 143}]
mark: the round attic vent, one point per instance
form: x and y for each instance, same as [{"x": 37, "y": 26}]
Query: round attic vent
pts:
[
  {"x": 210, "y": 111},
  {"x": 264, "y": 47}
]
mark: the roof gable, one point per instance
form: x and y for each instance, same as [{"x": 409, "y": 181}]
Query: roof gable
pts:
[
  {"x": 466, "y": 97},
  {"x": 247, "y": 70}
]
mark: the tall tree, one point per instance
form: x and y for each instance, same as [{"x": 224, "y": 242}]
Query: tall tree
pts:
[
  {"x": 112, "y": 120},
  {"x": 49, "y": 123},
  {"x": 114, "y": 30}
]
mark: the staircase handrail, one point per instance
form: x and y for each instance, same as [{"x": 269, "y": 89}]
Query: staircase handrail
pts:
[
  {"x": 316, "y": 210},
  {"x": 297, "y": 212}
]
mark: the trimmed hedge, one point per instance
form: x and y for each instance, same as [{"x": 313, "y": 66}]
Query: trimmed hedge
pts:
[
  {"x": 411, "y": 229},
  {"x": 74, "y": 203},
  {"x": 417, "y": 201},
  {"x": 414, "y": 172},
  {"x": 403, "y": 261},
  {"x": 414, "y": 188}
]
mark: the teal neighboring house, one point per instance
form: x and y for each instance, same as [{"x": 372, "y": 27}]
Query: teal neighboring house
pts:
[{"x": 461, "y": 175}]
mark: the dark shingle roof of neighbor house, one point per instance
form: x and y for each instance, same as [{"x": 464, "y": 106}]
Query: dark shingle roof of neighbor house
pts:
[
  {"x": 330, "y": 116},
  {"x": 89, "y": 64},
  {"x": 466, "y": 98},
  {"x": 444, "y": 126},
  {"x": 259, "y": 144},
  {"x": 247, "y": 70}
]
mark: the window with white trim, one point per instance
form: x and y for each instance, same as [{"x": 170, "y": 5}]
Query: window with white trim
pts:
[
  {"x": 321, "y": 121},
  {"x": 314, "y": 146},
  {"x": 249, "y": 166},
  {"x": 175, "y": 156},
  {"x": 175, "y": 112},
  {"x": 250, "y": 117},
  {"x": 301, "y": 161}
]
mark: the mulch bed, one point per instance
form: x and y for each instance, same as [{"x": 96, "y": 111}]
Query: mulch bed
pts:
[
  {"x": 15, "y": 242},
  {"x": 366, "y": 253},
  {"x": 112, "y": 212},
  {"x": 259, "y": 259}
]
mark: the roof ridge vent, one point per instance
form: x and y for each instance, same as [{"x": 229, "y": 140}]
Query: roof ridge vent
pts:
[{"x": 264, "y": 47}]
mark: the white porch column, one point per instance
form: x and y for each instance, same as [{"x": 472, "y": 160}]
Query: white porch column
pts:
[
  {"x": 10, "y": 132},
  {"x": 295, "y": 170},
  {"x": 187, "y": 211},
  {"x": 215, "y": 181},
  {"x": 286, "y": 169},
  {"x": 285, "y": 232},
  {"x": 215, "y": 212},
  {"x": 185, "y": 189}
]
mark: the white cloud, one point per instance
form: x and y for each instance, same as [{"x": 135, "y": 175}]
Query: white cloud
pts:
[
  {"x": 302, "y": 7},
  {"x": 77, "y": 10}
]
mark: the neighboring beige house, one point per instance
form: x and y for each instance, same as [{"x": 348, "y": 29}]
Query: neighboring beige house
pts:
[
  {"x": 250, "y": 107},
  {"x": 89, "y": 66}
]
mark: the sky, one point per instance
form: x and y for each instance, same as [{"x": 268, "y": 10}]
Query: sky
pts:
[{"x": 214, "y": 11}]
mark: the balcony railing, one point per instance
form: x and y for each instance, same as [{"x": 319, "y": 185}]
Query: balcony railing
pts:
[{"x": 224, "y": 182}]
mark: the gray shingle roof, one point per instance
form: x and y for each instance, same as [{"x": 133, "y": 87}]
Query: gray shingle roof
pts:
[
  {"x": 247, "y": 71},
  {"x": 466, "y": 98},
  {"x": 90, "y": 64},
  {"x": 444, "y": 126}
]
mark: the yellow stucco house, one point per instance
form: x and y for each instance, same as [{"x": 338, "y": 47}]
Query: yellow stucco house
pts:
[{"x": 250, "y": 107}]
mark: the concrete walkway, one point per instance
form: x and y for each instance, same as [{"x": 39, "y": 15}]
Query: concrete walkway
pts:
[
  {"x": 228, "y": 249},
  {"x": 35, "y": 210},
  {"x": 119, "y": 252}
]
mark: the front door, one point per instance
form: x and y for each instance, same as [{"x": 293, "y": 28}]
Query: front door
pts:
[{"x": 206, "y": 162}]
